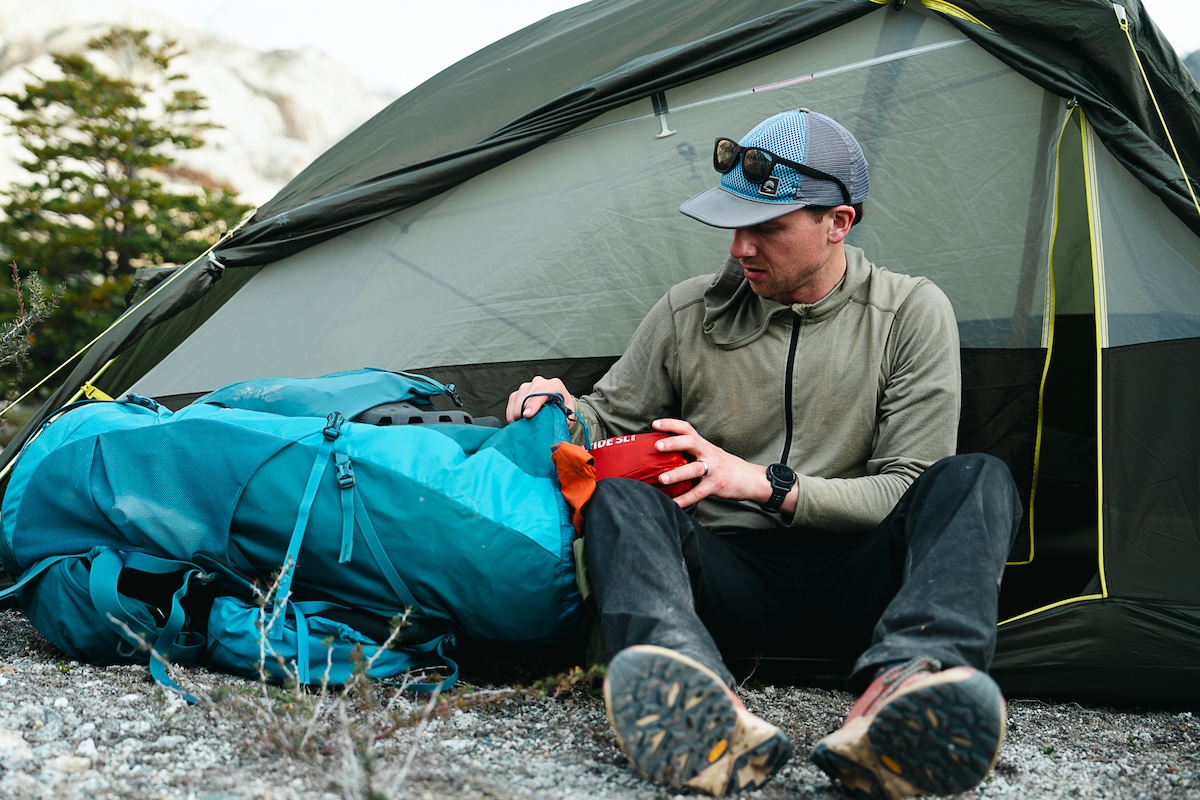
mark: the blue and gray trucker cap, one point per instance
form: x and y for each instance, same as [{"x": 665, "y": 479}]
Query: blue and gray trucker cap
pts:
[{"x": 803, "y": 136}]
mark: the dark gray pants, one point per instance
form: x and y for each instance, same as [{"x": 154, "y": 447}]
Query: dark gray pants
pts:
[{"x": 925, "y": 582}]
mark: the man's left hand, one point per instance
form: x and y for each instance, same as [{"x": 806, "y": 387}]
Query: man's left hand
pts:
[{"x": 720, "y": 474}]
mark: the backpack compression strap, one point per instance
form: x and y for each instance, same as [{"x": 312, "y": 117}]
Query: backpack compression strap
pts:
[
  {"x": 416, "y": 654},
  {"x": 107, "y": 566},
  {"x": 353, "y": 511},
  {"x": 34, "y": 571},
  {"x": 105, "y": 573}
]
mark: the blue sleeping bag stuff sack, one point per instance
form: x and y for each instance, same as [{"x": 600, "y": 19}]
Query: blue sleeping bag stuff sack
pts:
[{"x": 127, "y": 523}]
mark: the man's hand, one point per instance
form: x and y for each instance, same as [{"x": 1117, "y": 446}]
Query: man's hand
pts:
[
  {"x": 521, "y": 404},
  {"x": 721, "y": 474}
]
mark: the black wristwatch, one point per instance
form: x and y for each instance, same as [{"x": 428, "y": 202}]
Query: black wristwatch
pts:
[{"x": 782, "y": 479}]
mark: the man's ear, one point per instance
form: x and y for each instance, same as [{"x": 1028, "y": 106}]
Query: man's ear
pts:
[{"x": 843, "y": 218}]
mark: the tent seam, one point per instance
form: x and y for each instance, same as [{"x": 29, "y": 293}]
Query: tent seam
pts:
[
  {"x": 1123, "y": 21},
  {"x": 1051, "y": 312},
  {"x": 1069, "y": 601},
  {"x": 1100, "y": 309}
]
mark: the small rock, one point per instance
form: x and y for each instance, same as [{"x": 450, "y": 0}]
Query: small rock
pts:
[
  {"x": 69, "y": 764},
  {"x": 86, "y": 748},
  {"x": 19, "y": 784},
  {"x": 91, "y": 784},
  {"x": 49, "y": 730},
  {"x": 14, "y": 750},
  {"x": 165, "y": 743},
  {"x": 174, "y": 705}
]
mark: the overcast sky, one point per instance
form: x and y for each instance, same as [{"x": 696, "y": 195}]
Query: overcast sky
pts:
[
  {"x": 396, "y": 44},
  {"x": 393, "y": 44}
]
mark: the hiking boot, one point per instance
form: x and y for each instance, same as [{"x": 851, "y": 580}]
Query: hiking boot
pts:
[
  {"x": 680, "y": 725},
  {"x": 917, "y": 730}
]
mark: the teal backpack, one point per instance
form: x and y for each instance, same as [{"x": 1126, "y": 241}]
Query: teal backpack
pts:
[{"x": 276, "y": 521}]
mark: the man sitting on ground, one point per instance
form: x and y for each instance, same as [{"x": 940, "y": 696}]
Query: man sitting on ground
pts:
[{"x": 817, "y": 397}]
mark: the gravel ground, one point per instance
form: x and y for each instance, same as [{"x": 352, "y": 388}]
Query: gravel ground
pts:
[{"x": 70, "y": 730}]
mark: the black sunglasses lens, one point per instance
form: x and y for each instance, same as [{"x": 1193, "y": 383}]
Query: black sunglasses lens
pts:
[
  {"x": 725, "y": 155},
  {"x": 756, "y": 165}
]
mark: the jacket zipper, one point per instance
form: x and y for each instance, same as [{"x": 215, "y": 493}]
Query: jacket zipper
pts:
[{"x": 787, "y": 388}]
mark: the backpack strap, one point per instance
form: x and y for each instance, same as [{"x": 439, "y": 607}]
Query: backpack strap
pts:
[
  {"x": 330, "y": 433},
  {"x": 420, "y": 653},
  {"x": 367, "y": 529},
  {"x": 34, "y": 571},
  {"x": 353, "y": 511},
  {"x": 439, "y": 646},
  {"x": 172, "y": 641},
  {"x": 343, "y": 470},
  {"x": 236, "y": 645},
  {"x": 303, "y": 674}
]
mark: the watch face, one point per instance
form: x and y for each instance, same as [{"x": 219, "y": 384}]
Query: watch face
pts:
[{"x": 782, "y": 473}]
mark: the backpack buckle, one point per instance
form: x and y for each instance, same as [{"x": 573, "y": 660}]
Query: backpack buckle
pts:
[
  {"x": 343, "y": 471},
  {"x": 333, "y": 426},
  {"x": 144, "y": 402}
]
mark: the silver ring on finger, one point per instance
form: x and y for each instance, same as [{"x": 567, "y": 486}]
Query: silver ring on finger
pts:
[{"x": 705, "y": 463}]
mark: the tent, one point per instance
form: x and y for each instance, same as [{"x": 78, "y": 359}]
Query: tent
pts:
[{"x": 517, "y": 215}]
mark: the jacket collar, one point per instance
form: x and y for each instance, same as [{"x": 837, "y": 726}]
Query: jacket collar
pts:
[{"x": 735, "y": 316}]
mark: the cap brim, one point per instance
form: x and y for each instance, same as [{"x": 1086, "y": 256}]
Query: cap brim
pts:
[{"x": 723, "y": 209}]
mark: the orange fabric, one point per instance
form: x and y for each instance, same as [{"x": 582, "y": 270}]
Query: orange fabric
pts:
[{"x": 576, "y": 478}]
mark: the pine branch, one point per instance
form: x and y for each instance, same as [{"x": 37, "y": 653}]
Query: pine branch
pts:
[{"x": 34, "y": 305}]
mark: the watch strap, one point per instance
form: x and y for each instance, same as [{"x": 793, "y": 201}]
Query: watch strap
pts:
[{"x": 780, "y": 486}]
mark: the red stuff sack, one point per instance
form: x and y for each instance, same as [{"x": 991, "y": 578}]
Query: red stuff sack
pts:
[{"x": 635, "y": 457}]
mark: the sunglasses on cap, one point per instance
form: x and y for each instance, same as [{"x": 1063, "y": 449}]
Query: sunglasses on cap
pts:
[{"x": 757, "y": 164}]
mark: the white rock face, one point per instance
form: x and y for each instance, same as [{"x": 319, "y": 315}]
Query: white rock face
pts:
[{"x": 279, "y": 109}]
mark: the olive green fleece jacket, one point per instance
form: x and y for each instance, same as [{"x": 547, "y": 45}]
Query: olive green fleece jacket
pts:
[{"x": 858, "y": 392}]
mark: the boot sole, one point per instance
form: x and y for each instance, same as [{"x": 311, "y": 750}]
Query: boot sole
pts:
[
  {"x": 678, "y": 725},
  {"x": 938, "y": 739}
]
